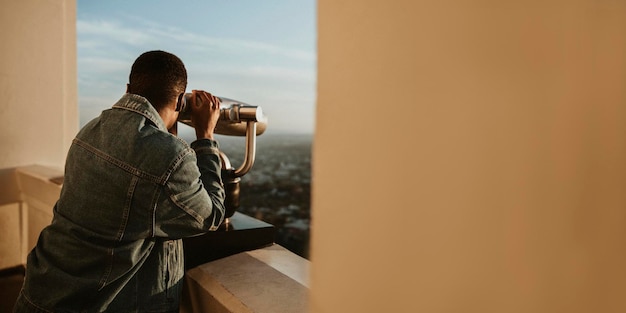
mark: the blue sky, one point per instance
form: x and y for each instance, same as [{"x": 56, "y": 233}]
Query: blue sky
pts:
[{"x": 259, "y": 52}]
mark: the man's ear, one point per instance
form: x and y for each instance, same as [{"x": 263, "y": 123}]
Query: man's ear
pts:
[
  {"x": 127, "y": 88},
  {"x": 180, "y": 102}
]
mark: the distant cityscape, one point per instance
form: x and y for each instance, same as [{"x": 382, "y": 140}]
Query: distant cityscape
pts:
[{"x": 277, "y": 189}]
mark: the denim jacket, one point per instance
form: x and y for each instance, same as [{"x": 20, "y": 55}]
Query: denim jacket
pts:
[{"x": 131, "y": 191}]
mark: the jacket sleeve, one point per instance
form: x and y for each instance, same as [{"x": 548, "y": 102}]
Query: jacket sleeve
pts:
[{"x": 195, "y": 194}]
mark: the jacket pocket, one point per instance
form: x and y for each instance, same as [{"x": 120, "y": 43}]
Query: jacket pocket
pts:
[
  {"x": 174, "y": 270},
  {"x": 166, "y": 287}
]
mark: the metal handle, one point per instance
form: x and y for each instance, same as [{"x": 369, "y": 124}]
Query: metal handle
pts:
[{"x": 249, "y": 156}]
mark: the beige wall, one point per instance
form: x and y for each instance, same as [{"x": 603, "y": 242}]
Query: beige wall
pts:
[
  {"x": 38, "y": 89},
  {"x": 38, "y": 114},
  {"x": 481, "y": 164}
]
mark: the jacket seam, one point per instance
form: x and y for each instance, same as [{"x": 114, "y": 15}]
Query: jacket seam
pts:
[
  {"x": 143, "y": 113},
  {"x": 187, "y": 210},
  {"x": 121, "y": 164},
  {"x": 33, "y": 304},
  {"x": 109, "y": 269},
  {"x": 127, "y": 206},
  {"x": 210, "y": 150},
  {"x": 175, "y": 164},
  {"x": 154, "y": 204}
]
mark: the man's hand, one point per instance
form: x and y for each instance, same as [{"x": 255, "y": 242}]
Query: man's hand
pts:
[{"x": 205, "y": 111}]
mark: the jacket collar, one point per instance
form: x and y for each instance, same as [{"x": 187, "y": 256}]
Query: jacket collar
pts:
[{"x": 141, "y": 105}]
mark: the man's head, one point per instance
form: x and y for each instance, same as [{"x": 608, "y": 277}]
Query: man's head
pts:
[{"x": 158, "y": 76}]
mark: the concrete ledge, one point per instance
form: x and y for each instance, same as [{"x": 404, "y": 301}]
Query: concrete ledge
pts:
[
  {"x": 12, "y": 230},
  {"x": 25, "y": 209},
  {"x": 39, "y": 182},
  {"x": 8, "y": 182},
  {"x": 270, "y": 279}
]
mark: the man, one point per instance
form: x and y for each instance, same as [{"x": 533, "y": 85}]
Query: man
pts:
[{"x": 131, "y": 191}]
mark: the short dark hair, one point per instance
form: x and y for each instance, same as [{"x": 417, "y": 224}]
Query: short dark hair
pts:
[{"x": 158, "y": 76}]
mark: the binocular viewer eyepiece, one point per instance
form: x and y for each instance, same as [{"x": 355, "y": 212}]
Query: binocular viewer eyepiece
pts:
[{"x": 234, "y": 116}]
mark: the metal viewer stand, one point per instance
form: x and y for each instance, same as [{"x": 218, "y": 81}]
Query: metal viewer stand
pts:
[{"x": 238, "y": 232}]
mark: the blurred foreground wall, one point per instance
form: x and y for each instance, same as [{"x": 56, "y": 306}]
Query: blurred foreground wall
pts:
[
  {"x": 470, "y": 156},
  {"x": 38, "y": 111},
  {"x": 38, "y": 89}
]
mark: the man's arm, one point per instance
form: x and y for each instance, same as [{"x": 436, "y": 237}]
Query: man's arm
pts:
[
  {"x": 196, "y": 186},
  {"x": 195, "y": 194}
]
